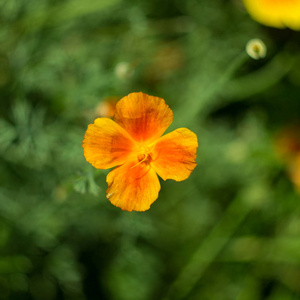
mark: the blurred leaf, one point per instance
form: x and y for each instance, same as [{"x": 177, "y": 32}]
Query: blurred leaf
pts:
[{"x": 63, "y": 12}]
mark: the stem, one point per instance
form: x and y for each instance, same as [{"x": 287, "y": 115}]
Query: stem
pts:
[
  {"x": 191, "y": 108},
  {"x": 208, "y": 250}
]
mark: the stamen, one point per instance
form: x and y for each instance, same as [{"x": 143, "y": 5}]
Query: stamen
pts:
[{"x": 141, "y": 161}]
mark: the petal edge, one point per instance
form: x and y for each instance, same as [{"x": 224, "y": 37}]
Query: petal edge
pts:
[
  {"x": 106, "y": 144},
  {"x": 132, "y": 187},
  {"x": 174, "y": 154},
  {"x": 143, "y": 116}
]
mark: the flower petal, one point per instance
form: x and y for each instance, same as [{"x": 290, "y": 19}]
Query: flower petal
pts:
[
  {"x": 279, "y": 13},
  {"x": 174, "y": 154},
  {"x": 106, "y": 144},
  {"x": 144, "y": 117},
  {"x": 132, "y": 187}
]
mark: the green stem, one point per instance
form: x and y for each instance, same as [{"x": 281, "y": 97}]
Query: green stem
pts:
[
  {"x": 191, "y": 108},
  {"x": 208, "y": 249},
  {"x": 260, "y": 80}
]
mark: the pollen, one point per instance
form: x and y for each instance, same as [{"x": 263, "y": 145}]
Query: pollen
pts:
[{"x": 144, "y": 155}]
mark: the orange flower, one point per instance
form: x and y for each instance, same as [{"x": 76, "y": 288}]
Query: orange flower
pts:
[
  {"x": 132, "y": 143},
  {"x": 287, "y": 146},
  {"x": 294, "y": 172},
  {"x": 287, "y": 143},
  {"x": 275, "y": 13},
  {"x": 107, "y": 107}
]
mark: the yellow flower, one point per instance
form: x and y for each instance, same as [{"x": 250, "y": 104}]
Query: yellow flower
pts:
[
  {"x": 133, "y": 143},
  {"x": 275, "y": 13}
]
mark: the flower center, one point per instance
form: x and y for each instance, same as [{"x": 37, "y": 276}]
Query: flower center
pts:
[{"x": 144, "y": 155}]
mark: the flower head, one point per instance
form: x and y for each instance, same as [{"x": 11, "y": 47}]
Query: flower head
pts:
[
  {"x": 287, "y": 143},
  {"x": 106, "y": 108},
  {"x": 287, "y": 148},
  {"x": 256, "y": 49},
  {"x": 133, "y": 143},
  {"x": 275, "y": 13}
]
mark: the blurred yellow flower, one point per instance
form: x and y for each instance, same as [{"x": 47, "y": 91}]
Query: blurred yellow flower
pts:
[{"x": 275, "y": 13}]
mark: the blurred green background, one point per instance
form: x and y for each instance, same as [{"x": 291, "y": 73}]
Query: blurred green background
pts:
[{"x": 230, "y": 231}]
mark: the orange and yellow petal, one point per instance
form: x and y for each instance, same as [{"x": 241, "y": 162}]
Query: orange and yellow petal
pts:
[
  {"x": 294, "y": 172},
  {"x": 174, "y": 154},
  {"x": 106, "y": 144},
  {"x": 144, "y": 117},
  {"x": 275, "y": 13},
  {"x": 132, "y": 186}
]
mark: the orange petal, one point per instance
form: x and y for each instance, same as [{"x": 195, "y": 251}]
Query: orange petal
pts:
[
  {"x": 144, "y": 117},
  {"x": 174, "y": 154},
  {"x": 106, "y": 144},
  {"x": 132, "y": 187}
]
